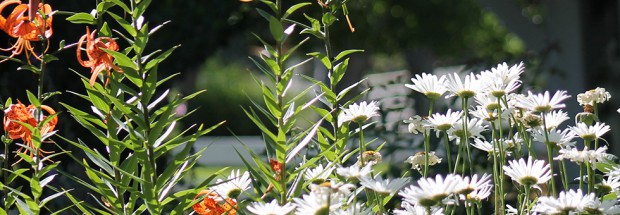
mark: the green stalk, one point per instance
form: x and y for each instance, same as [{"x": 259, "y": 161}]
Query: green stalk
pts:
[
  {"x": 362, "y": 145},
  {"x": 580, "y": 177},
  {"x": 5, "y": 172},
  {"x": 496, "y": 176},
  {"x": 502, "y": 154},
  {"x": 564, "y": 174},
  {"x": 427, "y": 140},
  {"x": 549, "y": 153},
  {"x": 426, "y": 151},
  {"x": 448, "y": 154},
  {"x": 526, "y": 198},
  {"x": 466, "y": 134}
]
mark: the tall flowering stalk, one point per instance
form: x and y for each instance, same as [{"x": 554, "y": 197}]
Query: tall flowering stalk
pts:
[{"x": 129, "y": 116}]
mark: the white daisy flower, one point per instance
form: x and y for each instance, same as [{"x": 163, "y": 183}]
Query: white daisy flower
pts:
[
  {"x": 382, "y": 186},
  {"x": 542, "y": 102},
  {"x": 491, "y": 116},
  {"x": 442, "y": 122},
  {"x": 489, "y": 147},
  {"x": 581, "y": 157},
  {"x": 474, "y": 183},
  {"x": 234, "y": 185},
  {"x": 354, "y": 172},
  {"x": 370, "y": 157},
  {"x": 271, "y": 208},
  {"x": 529, "y": 119},
  {"x": 356, "y": 209},
  {"x": 336, "y": 190},
  {"x": 316, "y": 204},
  {"x": 409, "y": 209},
  {"x": 488, "y": 102},
  {"x": 359, "y": 112},
  {"x": 561, "y": 138},
  {"x": 598, "y": 95},
  {"x": 592, "y": 132},
  {"x": 530, "y": 173},
  {"x": 319, "y": 174},
  {"x": 477, "y": 195},
  {"x": 511, "y": 210},
  {"x": 415, "y": 124},
  {"x": 555, "y": 118},
  {"x": 429, "y": 85},
  {"x": 430, "y": 192},
  {"x": 466, "y": 88},
  {"x": 609, "y": 185},
  {"x": 604, "y": 207},
  {"x": 417, "y": 161},
  {"x": 567, "y": 202},
  {"x": 501, "y": 80},
  {"x": 474, "y": 128}
]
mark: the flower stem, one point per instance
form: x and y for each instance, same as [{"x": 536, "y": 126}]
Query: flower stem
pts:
[
  {"x": 427, "y": 140},
  {"x": 448, "y": 154},
  {"x": 465, "y": 139},
  {"x": 362, "y": 145},
  {"x": 549, "y": 153}
]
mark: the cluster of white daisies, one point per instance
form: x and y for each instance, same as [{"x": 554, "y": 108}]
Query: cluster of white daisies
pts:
[{"x": 525, "y": 118}]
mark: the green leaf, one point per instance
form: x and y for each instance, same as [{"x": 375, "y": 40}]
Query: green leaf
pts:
[
  {"x": 105, "y": 30},
  {"x": 81, "y": 18},
  {"x": 328, "y": 19},
  {"x": 339, "y": 72},
  {"x": 323, "y": 58},
  {"x": 141, "y": 8},
  {"x": 122, "y": 59},
  {"x": 142, "y": 38},
  {"x": 294, "y": 8},
  {"x": 33, "y": 99},
  {"x": 127, "y": 26},
  {"x": 160, "y": 58},
  {"x": 346, "y": 52},
  {"x": 120, "y": 4},
  {"x": 272, "y": 6},
  {"x": 275, "y": 26}
]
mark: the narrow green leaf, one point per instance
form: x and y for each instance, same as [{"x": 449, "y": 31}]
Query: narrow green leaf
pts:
[
  {"x": 276, "y": 29},
  {"x": 328, "y": 19},
  {"x": 324, "y": 59},
  {"x": 126, "y": 25},
  {"x": 122, "y": 59},
  {"x": 339, "y": 72},
  {"x": 81, "y": 18},
  {"x": 33, "y": 99},
  {"x": 294, "y": 8},
  {"x": 346, "y": 52},
  {"x": 121, "y": 4}
]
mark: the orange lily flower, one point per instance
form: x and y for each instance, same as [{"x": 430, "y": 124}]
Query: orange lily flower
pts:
[
  {"x": 20, "y": 113},
  {"x": 26, "y": 29},
  {"x": 213, "y": 204},
  {"x": 98, "y": 60}
]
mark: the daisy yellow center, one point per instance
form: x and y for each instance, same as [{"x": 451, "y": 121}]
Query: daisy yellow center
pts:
[
  {"x": 440, "y": 197},
  {"x": 234, "y": 193},
  {"x": 543, "y": 108},
  {"x": 498, "y": 93},
  {"x": 588, "y": 137},
  {"x": 466, "y": 93},
  {"x": 427, "y": 202},
  {"x": 460, "y": 133},
  {"x": 528, "y": 180},
  {"x": 322, "y": 211},
  {"x": 603, "y": 188},
  {"x": 360, "y": 118},
  {"x": 444, "y": 127},
  {"x": 432, "y": 95},
  {"x": 492, "y": 106}
]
